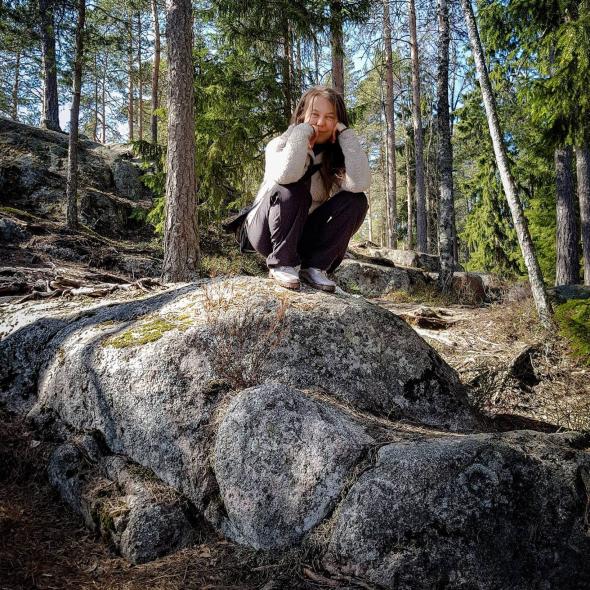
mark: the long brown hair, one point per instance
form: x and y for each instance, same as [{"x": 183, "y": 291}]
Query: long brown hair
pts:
[{"x": 332, "y": 170}]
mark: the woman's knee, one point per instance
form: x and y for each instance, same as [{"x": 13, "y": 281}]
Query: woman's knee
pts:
[{"x": 356, "y": 202}]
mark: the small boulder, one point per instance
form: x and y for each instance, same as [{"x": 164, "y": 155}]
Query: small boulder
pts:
[
  {"x": 406, "y": 258},
  {"x": 281, "y": 460},
  {"x": 140, "y": 516},
  {"x": 374, "y": 280},
  {"x": 11, "y": 232},
  {"x": 563, "y": 293}
]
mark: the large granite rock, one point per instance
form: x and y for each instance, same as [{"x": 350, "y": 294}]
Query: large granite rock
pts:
[
  {"x": 33, "y": 169},
  {"x": 375, "y": 280},
  {"x": 147, "y": 373},
  {"x": 481, "y": 511},
  {"x": 265, "y": 409}
]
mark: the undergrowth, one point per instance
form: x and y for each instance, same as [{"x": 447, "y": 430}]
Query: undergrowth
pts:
[{"x": 573, "y": 318}]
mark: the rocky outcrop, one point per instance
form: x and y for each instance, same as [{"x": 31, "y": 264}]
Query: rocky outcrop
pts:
[
  {"x": 375, "y": 280},
  {"x": 288, "y": 418},
  {"x": 243, "y": 330},
  {"x": 33, "y": 167},
  {"x": 406, "y": 258}
]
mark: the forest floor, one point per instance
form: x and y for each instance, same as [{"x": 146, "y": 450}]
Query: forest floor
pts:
[{"x": 510, "y": 364}]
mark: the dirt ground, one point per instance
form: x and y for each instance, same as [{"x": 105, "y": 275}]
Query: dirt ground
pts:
[
  {"x": 509, "y": 362},
  {"x": 44, "y": 546}
]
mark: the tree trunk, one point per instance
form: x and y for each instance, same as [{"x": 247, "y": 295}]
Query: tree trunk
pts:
[
  {"x": 299, "y": 65},
  {"x": 583, "y": 172},
  {"x": 337, "y": 44},
  {"x": 95, "y": 122},
  {"x": 155, "y": 72},
  {"x": 316, "y": 60},
  {"x": 567, "y": 268},
  {"x": 390, "y": 132},
  {"x": 130, "y": 113},
  {"x": 520, "y": 223},
  {"x": 15, "y": 87},
  {"x": 104, "y": 97},
  {"x": 72, "y": 174},
  {"x": 50, "y": 119},
  {"x": 181, "y": 237},
  {"x": 139, "y": 79},
  {"x": 369, "y": 215},
  {"x": 430, "y": 178},
  {"x": 421, "y": 228},
  {"x": 446, "y": 212},
  {"x": 409, "y": 186},
  {"x": 287, "y": 70}
]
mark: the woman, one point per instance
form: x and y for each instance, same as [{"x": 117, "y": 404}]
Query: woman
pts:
[{"x": 311, "y": 201}]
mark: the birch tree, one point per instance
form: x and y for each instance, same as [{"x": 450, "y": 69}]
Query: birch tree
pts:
[
  {"x": 520, "y": 224},
  {"x": 390, "y": 131}
]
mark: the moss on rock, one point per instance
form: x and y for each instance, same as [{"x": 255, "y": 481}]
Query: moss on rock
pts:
[{"x": 147, "y": 332}]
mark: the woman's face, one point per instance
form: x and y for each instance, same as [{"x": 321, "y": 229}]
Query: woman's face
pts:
[{"x": 321, "y": 113}]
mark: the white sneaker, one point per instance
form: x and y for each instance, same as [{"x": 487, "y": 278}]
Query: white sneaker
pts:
[
  {"x": 317, "y": 278},
  {"x": 286, "y": 276}
]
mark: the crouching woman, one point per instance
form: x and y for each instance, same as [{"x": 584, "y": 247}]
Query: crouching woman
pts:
[{"x": 312, "y": 200}]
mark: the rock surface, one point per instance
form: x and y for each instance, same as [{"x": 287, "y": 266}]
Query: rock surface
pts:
[
  {"x": 563, "y": 293},
  {"x": 288, "y": 417},
  {"x": 33, "y": 166},
  {"x": 406, "y": 258},
  {"x": 142, "y": 518},
  {"x": 355, "y": 351},
  {"x": 374, "y": 280},
  {"x": 480, "y": 511},
  {"x": 295, "y": 455}
]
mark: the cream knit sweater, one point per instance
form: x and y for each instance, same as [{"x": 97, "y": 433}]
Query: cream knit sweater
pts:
[{"x": 288, "y": 156}]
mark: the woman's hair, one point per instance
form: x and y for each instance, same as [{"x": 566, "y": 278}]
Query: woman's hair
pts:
[{"x": 332, "y": 169}]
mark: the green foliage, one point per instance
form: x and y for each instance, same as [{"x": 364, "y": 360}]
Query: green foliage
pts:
[
  {"x": 238, "y": 106},
  {"x": 573, "y": 318},
  {"x": 153, "y": 163},
  {"x": 488, "y": 233}
]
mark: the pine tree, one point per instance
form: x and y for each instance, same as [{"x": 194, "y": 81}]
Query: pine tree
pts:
[
  {"x": 181, "y": 237},
  {"x": 445, "y": 157}
]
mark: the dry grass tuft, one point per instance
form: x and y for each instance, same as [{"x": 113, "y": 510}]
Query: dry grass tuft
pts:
[{"x": 243, "y": 334}]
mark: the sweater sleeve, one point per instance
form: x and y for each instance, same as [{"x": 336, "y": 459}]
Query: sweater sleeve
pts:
[
  {"x": 286, "y": 155},
  {"x": 357, "y": 178}
]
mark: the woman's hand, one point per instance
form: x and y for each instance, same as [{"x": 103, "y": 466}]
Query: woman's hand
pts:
[
  {"x": 314, "y": 136},
  {"x": 338, "y": 128}
]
